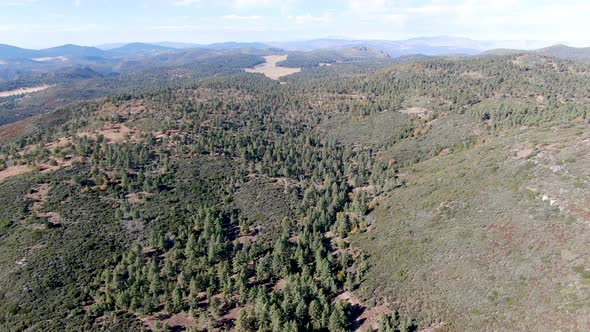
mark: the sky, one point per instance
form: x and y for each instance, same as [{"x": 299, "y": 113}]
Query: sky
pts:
[{"x": 45, "y": 23}]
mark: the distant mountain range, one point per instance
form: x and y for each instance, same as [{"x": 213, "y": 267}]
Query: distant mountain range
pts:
[
  {"x": 8, "y": 52},
  {"x": 429, "y": 46},
  {"x": 441, "y": 45}
]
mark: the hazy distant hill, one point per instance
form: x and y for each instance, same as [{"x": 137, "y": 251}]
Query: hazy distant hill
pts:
[
  {"x": 139, "y": 48},
  {"x": 581, "y": 54},
  {"x": 439, "y": 45},
  {"x": 322, "y": 57},
  {"x": 567, "y": 52},
  {"x": 427, "y": 46},
  {"x": 74, "y": 51},
  {"x": 9, "y": 52},
  {"x": 502, "y": 52},
  {"x": 233, "y": 45}
]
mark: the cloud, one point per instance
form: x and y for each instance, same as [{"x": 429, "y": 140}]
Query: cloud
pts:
[
  {"x": 311, "y": 19},
  {"x": 235, "y": 17},
  {"x": 370, "y": 5},
  {"x": 218, "y": 20},
  {"x": 249, "y": 4},
  {"x": 185, "y": 2}
]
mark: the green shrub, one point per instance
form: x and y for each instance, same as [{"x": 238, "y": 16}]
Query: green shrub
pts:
[{"x": 4, "y": 224}]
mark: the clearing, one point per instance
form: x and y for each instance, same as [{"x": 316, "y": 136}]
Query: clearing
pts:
[
  {"x": 13, "y": 171},
  {"x": 45, "y": 59},
  {"x": 113, "y": 134},
  {"x": 270, "y": 68},
  {"x": 22, "y": 91}
]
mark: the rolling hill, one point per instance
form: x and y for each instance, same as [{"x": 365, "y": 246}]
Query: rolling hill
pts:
[{"x": 567, "y": 52}]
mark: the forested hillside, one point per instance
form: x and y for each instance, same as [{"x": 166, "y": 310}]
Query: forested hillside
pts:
[{"x": 376, "y": 194}]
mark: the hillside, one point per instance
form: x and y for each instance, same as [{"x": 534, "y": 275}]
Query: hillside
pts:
[
  {"x": 567, "y": 52},
  {"x": 8, "y": 52},
  {"x": 328, "y": 57},
  {"x": 412, "y": 194}
]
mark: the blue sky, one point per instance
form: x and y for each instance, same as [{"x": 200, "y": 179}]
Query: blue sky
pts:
[{"x": 43, "y": 23}]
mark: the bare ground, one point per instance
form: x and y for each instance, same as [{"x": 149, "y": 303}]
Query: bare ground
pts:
[
  {"x": 270, "y": 68},
  {"x": 368, "y": 318},
  {"x": 418, "y": 112},
  {"x": 115, "y": 134},
  {"x": 13, "y": 171},
  {"x": 22, "y": 91}
]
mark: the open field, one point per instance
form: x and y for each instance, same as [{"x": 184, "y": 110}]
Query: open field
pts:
[
  {"x": 22, "y": 91},
  {"x": 270, "y": 68}
]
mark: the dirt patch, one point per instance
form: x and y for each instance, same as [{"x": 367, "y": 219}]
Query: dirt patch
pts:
[
  {"x": 524, "y": 153},
  {"x": 181, "y": 320},
  {"x": 22, "y": 91},
  {"x": 39, "y": 196},
  {"x": 270, "y": 68},
  {"x": 368, "y": 318},
  {"x": 114, "y": 134},
  {"x": 60, "y": 143},
  {"x": 51, "y": 217},
  {"x": 285, "y": 182},
  {"x": 137, "y": 197},
  {"x": 280, "y": 285},
  {"x": 474, "y": 75},
  {"x": 13, "y": 171},
  {"x": 175, "y": 322},
  {"x": 247, "y": 239},
  {"x": 417, "y": 112},
  {"x": 59, "y": 163}
]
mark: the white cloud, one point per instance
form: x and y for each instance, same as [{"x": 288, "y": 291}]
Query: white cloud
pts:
[
  {"x": 235, "y": 17},
  {"x": 311, "y": 19},
  {"x": 185, "y": 2},
  {"x": 248, "y": 4}
]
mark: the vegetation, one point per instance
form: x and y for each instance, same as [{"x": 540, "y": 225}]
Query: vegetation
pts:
[{"x": 201, "y": 197}]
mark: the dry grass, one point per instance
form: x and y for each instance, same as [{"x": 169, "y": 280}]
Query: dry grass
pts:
[
  {"x": 418, "y": 112},
  {"x": 14, "y": 171},
  {"x": 114, "y": 134},
  {"x": 39, "y": 196},
  {"x": 270, "y": 68},
  {"x": 22, "y": 91}
]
